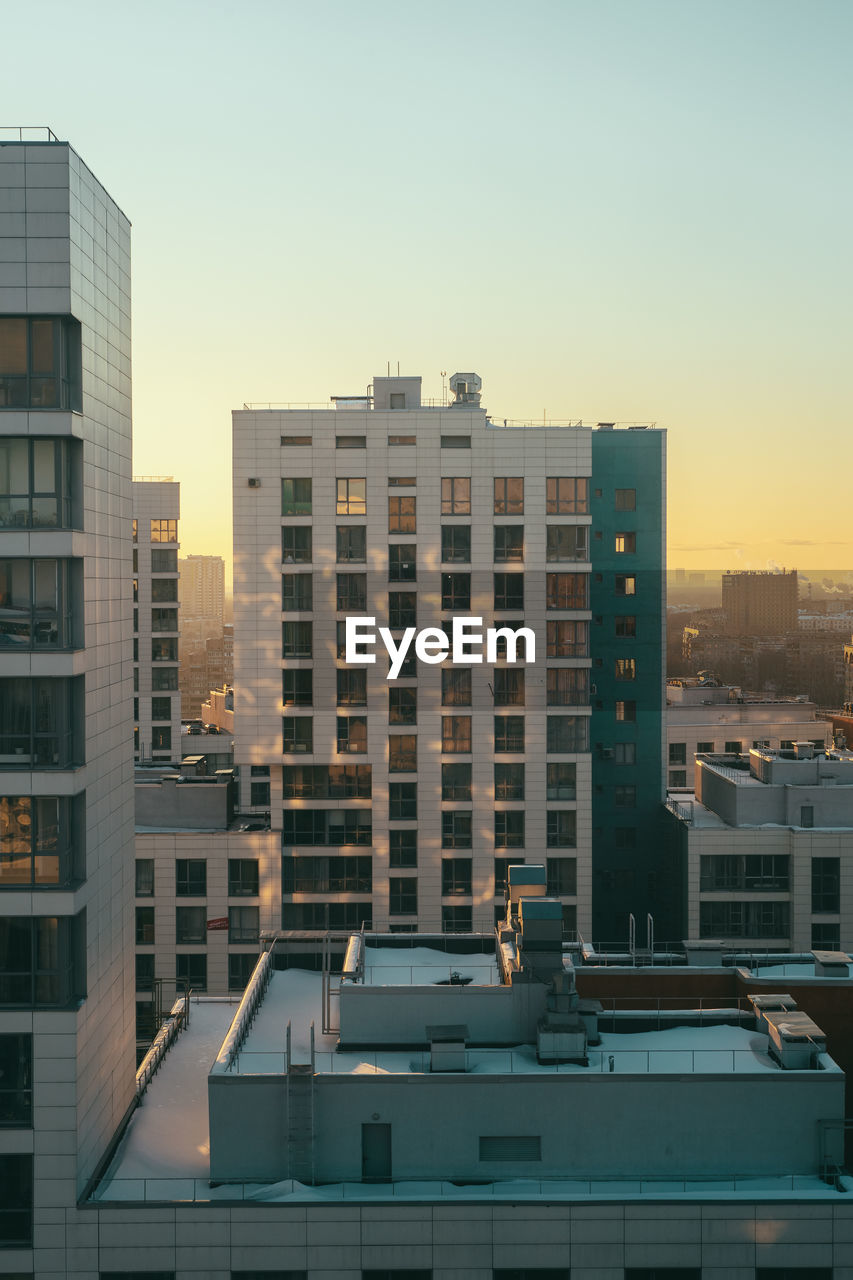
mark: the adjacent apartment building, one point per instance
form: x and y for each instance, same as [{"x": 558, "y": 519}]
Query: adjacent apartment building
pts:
[
  {"x": 401, "y": 801},
  {"x": 157, "y": 700}
]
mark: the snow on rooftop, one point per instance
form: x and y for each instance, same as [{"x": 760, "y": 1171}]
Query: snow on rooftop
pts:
[{"x": 410, "y": 966}]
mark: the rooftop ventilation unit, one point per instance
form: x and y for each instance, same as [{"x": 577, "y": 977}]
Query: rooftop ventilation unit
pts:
[{"x": 466, "y": 389}]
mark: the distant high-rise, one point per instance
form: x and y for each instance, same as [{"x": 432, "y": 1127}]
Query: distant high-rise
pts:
[
  {"x": 202, "y": 588},
  {"x": 157, "y": 704},
  {"x": 760, "y": 603}
]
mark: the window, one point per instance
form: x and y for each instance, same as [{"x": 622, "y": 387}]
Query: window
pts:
[
  {"x": 41, "y": 841},
  {"x": 826, "y": 885},
  {"x": 352, "y": 687},
  {"x": 163, "y": 590},
  {"x": 678, "y": 778},
  {"x": 455, "y": 734},
  {"x": 243, "y": 924},
  {"x": 351, "y": 596},
  {"x": 41, "y": 722},
  {"x": 164, "y": 649},
  {"x": 294, "y": 441},
  {"x": 16, "y": 1195},
  {"x": 295, "y": 496},
  {"x": 567, "y": 590},
  {"x": 402, "y": 896},
  {"x": 509, "y": 781},
  {"x": 190, "y": 877},
  {"x": 402, "y": 609},
  {"x": 625, "y": 711},
  {"x": 352, "y": 734},
  {"x": 402, "y": 482},
  {"x": 296, "y": 544},
  {"x": 40, "y": 961},
  {"x": 566, "y": 542},
  {"x": 625, "y": 668},
  {"x": 350, "y": 442},
  {"x": 755, "y": 873},
  {"x": 678, "y": 753},
  {"x": 509, "y": 733},
  {"x": 561, "y": 829},
  {"x": 826, "y": 937},
  {"x": 744, "y": 920},
  {"x": 402, "y": 753},
  {"x": 259, "y": 794},
  {"x": 240, "y": 967},
  {"x": 338, "y": 874},
  {"x": 164, "y": 620},
  {"x": 625, "y": 626},
  {"x": 296, "y": 591},
  {"x": 455, "y": 877},
  {"x": 509, "y": 828},
  {"x": 508, "y": 543},
  {"x": 396, "y": 400},
  {"x": 16, "y": 1082},
  {"x": 401, "y": 440},
  {"x": 144, "y": 926},
  {"x": 161, "y": 709},
  {"x": 625, "y": 584},
  {"x": 456, "y": 920},
  {"x": 509, "y": 590},
  {"x": 40, "y": 482},
  {"x": 567, "y": 734},
  {"x": 456, "y": 543},
  {"x": 562, "y": 877},
  {"x": 402, "y": 562},
  {"x": 327, "y": 915},
  {"x": 242, "y": 878},
  {"x": 456, "y": 442},
  {"x": 297, "y": 734},
  {"x": 326, "y": 781},
  {"x": 667, "y": 1273},
  {"x": 456, "y": 829},
  {"x": 625, "y": 500},
  {"x": 144, "y": 877},
  {"x": 352, "y": 496},
  {"x": 567, "y": 686},
  {"x": 703, "y": 747},
  {"x": 561, "y": 781},
  {"x": 402, "y": 801},
  {"x": 403, "y": 848},
  {"x": 624, "y": 837},
  {"x": 567, "y": 639},
  {"x": 351, "y": 542},
  {"x": 40, "y": 363},
  {"x": 567, "y": 496},
  {"x": 163, "y": 678},
  {"x": 455, "y": 686},
  {"x": 733, "y": 748},
  {"x": 191, "y": 971},
  {"x": 296, "y": 639},
  {"x": 297, "y": 688},
  {"x": 401, "y": 515},
  {"x": 36, "y": 604},
  {"x": 402, "y": 706},
  {"x": 508, "y": 686},
  {"x": 456, "y": 591},
  {"x": 509, "y": 495},
  {"x": 456, "y": 496},
  {"x": 456, "y": 781},
  {"x": 625, "y": 543},
  {"x": 164, "y": 531},
  {"x": 164, "y": 560},
  {"x": 326, "y": 826}
]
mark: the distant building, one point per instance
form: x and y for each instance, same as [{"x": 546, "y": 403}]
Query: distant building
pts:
[
  {"x": 157, "y": 701},
  {"x": 760, "y": 603},
  {"x": 203, "y": 588}
]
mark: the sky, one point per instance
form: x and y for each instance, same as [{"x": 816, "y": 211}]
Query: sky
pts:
[{"x": 612, "y": 210}]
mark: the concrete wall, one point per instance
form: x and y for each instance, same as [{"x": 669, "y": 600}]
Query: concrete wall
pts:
[
  {"x": 493, "y": 1015},
  {"x": 168, "y": 802}
]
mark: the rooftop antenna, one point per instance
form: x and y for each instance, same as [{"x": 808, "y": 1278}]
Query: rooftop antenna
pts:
[
  {"x": 388, "y": 367},
  {"x": 443, "y": 386},
  {"x": 398, "y": 368}
]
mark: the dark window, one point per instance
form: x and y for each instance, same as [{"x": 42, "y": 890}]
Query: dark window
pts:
[
  {"x": 40, "y": 482},
  {"x": 296, "y": 639},
  {"x": 41, "y": 722},
  {"x": 192, "y": 971},
  {"x": 625, "y": 500},
  {"x": 294, "y": 441},
  {"x": 352, "y": 687},
  {"x": 16, "y": 1197},
  {"x": 402, "y": 609},
  {"x": 625, "y": 626},
  {"x": 567, "y": 734},
  {"x": 456, "y": 442},
  {"x": 625, "y": 710},
  {"x": 40, "y": 604},
  {"x": 567, "y": 496},
  {"x": 296, "y": 497},
  {"x": 456, "y": 496},
  {"x": 402, "y": 705},
  {"x": 733, "y": 748},
  {"x": 754, "y": 873},
  {"x": 670, "y": 1273},
  {"x": 567, "y": 639},
  {"x": 352, "y": 734},
  {"x": 327, "y": 915},
  {"x": 163, "y": 590},
  {"x": 350, "y": 442},
  {"x": 509, "y": 733},
  {"x": 625, "y": 584},
  {"x": 456, "y": 544},
  {"x": 144, "y": 877},
  {"x": 561, "y": 781},
  {"x": 297, "y": 688},
  {"x": 163, "y": 678},
  {"x": 456, "y": 781},
  {"x": 398, "y": 1273},
  {"x": 161, "y": 738},
  {"x": 191, "y": 924},
  {"x": 164, "y": 649},
  {"x": 16, "y": 1083},
  {"x": 402, "y": 562},
  {"x": 335, "y": 874},
  {"x": 402, "y": 896},
  {"x": 509, "y": 590},
  {"x": 531, "y": 1273},
  {"x": 351, "y": 543},
  {"x": 456, "y": 829},
  {"x": 456, "y": 920},
  {"x": 409, "y": 668},
  {"x": 509, "y": 543},
  {"x": 562, "y": 877},
  {"x": 744, "y": 920},
  {"x": 297, "y": 734},
  {"x": 826, "y": 885},
  {"x": 40, "y": 363},
  {"x": 240, "y": 967},
  {"x": 625, "y": 795},
  {"x": 509, "y": 781},
  {"x": 296, "y": 591},
  {"x": 509, "y": 495},
  {"x": 242, "y": 877},
  {"x": 164, "y": 560},
  {"x": 624, "y": 837},
  {"x": 402, "y": 753},
  {"x": 508, "y": 686},
  {"x": 326, "y": 827},
  {"x": 567, "y": 686},
  {"x": 326, "y": 781},
  {"x": 567, "y": 590},
  {"x": 41, "y": 960},
  {"x": 161, "y": 708},
  {"x": 402, "y": 514},
  {"x": 403, "y": 848},
  {"x": 455, "y": 734},
  {"x": 144, "y": 970},
  {"x": 678, "y": 753},
  {"x": 455, "y": 877},
  {"x": 41, "y": 840},
  {"x": 296, "y": 544},
  {"x": 509, "y": 829},
  {"x": 456, "y": 591},
  {"x": 243, "y": 924},
  {"x": 259, "y": 794},
  {"x": 352, "y": 592},
  {"x": 567, "y": 542},
  {"x": 502, "y": 866},
  {"x": 562, "y": 829},
  {"x": 402, "y": 800},
  {"x": 144, "y": 926},
  {"x": 826, "y": 937},
  {"x": 397, "y": 440},
  {"x": 455, "y": 686}
]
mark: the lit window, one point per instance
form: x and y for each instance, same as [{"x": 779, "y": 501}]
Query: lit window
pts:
[
  {"x": 352, "y": 496},
  {"x": 567, "y": 496},
  {"x": 509, "y": 495},
  {"x": 456, "y": 496}
]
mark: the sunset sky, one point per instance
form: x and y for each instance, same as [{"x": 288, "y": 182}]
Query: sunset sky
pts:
[{"x": 627, "y": 209}]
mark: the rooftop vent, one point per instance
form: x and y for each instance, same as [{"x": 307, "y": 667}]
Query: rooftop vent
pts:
[
  {"x": 804, "y": 750},
  {"x": 795, "y": 1041},
  {"x": 447, "y": 1047},
  {"x": 466, "y": 389}
]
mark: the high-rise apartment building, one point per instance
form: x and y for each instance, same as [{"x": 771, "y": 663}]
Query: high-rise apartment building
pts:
[
  {"x": 203, "y": 588},
  {"x": 760, "y": 602},
  {"x": 66, "y": 761},
  {"x": 157, "y": 699},
  {"x": 401, "y": 802}
]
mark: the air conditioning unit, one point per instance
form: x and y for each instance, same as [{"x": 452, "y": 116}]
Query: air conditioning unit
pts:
[
  {"x": 607, "y": 753},
  {"x": 254, "y": 482},
  {"x": 593, "y": 689}
]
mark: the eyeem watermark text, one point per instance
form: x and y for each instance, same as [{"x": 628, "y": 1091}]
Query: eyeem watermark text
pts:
[{"x": 432, "y": 645}]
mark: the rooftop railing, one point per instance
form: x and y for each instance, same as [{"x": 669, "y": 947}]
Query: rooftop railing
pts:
[{"x": 26, "y": 133}]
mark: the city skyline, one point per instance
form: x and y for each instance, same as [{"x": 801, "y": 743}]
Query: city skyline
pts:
[{"x": 627, "y": 213}]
